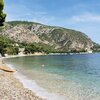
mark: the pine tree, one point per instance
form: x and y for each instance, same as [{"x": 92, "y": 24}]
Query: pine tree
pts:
[{"x": 2, "y": 15}]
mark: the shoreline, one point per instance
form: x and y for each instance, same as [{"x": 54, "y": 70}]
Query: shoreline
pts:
[
  {"x": 31, "y": 84},
  {"x": 12, "y": 89},
  {"x": 42, "y": 54},
  {"x": 22, "y": 81},
  {"x": 13, "y": 56}
]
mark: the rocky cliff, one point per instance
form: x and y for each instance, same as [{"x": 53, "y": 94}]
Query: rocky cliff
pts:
[{"x": 58, "y": 38}]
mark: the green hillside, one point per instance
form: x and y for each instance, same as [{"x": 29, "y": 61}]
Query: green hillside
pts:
[{"x": 42, "y": 38}]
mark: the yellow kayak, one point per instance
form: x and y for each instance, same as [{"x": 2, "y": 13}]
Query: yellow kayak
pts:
[{"x": 7, "y": 70}]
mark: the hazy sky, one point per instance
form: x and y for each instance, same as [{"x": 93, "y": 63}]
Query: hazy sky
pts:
[{"x": 82, "y": 15}]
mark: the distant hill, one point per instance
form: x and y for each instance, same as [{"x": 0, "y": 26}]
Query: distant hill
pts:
[{"x": 57, "y": 38}]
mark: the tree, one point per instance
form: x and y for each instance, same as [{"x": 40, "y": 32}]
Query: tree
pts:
[
  {"x": 2, "y": 15},
  {"x": 10, "y": 50}
]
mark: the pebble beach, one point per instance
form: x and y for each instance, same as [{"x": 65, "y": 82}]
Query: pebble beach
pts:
[{"x": 12, "y": 89}]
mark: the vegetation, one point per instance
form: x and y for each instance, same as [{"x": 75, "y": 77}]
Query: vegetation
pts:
[
  {"x": 2, "y": 15},
  {"x": 36, "y": 37},
  {"x": 4, "y": 43},
  {"x": 11, "y": 50},
  {"x": 36, "y": 47},
  {"x": 96, "y": 48},
  {"x": 71, "y": 51},
  {"x": 9, "y": 47},
  {"x": 14, "y": 23}
]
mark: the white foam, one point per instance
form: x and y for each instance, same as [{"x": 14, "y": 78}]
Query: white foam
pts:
[
  {"x": 10, "y": 66},
  {"x": 32, "y": 85}
]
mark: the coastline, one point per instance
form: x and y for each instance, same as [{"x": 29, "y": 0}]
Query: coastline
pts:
[
  {"x": 11, "y": 88},
  {"x": 31, "y": 85},
  {"x": 23, "y": 55},
  {"x": 8, "y": 79}
]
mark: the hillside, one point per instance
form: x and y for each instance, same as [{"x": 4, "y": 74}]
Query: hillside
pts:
[{"x": 58, "y": 38}]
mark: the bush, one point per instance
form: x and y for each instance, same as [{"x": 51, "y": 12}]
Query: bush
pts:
[
  {"x": 4, "y": 43},
  {"x": 12, "y": 50}
]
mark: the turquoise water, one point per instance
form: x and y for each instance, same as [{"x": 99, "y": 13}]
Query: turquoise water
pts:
[{"x": 72, "y": 77}]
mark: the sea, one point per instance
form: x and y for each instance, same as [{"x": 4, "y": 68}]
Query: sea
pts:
[{"x": 60, "y": 77}]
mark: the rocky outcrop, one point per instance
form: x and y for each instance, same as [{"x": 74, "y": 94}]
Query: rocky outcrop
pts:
[{"x": 57, "y": 37}]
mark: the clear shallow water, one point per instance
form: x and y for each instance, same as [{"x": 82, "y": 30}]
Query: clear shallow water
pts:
[{"x": 72, "y": 77}]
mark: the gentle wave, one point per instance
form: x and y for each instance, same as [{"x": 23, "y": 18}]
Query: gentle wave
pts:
[{"x": 33, "y": 86}]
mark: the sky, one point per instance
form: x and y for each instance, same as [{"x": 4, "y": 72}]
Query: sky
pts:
[{"x": 81, "y": 15}]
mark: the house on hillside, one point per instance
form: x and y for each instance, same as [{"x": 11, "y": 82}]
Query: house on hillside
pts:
[{"x": 21, "y": 51}]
